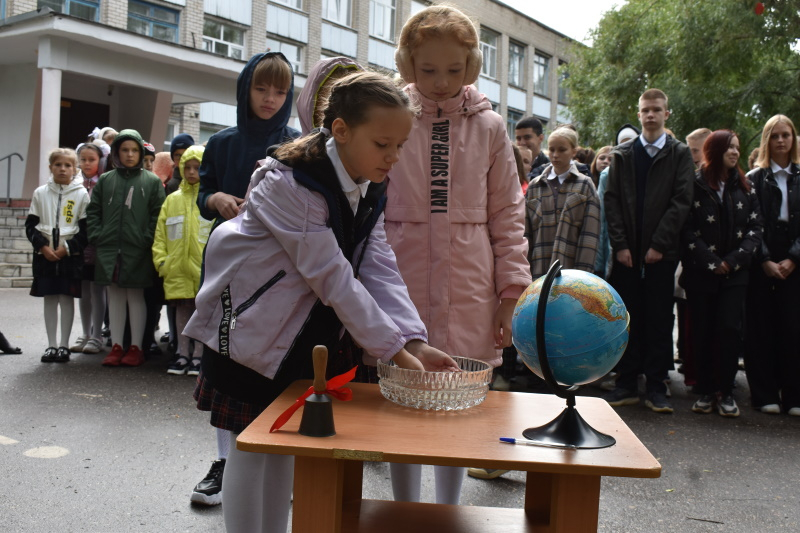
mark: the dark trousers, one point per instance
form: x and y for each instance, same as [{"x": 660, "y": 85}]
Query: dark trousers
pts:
[
  {"x": 648, "y": 299},
  {"x": 772, "y": 355},
  {"x": 154, "y": 299},
  {"x": 716, "y": 322}
]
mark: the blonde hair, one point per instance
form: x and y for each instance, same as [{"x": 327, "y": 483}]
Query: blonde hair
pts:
[
  {"x": 700, "y": 134},
  {"x": 273, "y": 70},
  {"x": 435, "y": 22},
  {"x": 69, "y": 153},
  {"x": 764, "y": 155},
  {"x": 655, "y": 94},
  {"x": 351, "y": 99},
  {"x": 566, "y": 133}
]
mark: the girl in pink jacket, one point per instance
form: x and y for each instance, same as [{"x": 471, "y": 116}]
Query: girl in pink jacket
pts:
[
  {"x": 306, "y": 255},
  {"x": 455, "y": 213}
]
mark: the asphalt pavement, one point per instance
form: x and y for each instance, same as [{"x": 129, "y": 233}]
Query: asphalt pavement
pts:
[{"x": 85, "y": 448}]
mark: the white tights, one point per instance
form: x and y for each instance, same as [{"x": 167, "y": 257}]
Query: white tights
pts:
[
  {"x": 407, "y": 480},
  {"x": 93, "y": 306},
  {"x": 51, "y": 305},
  {"x": 118, "y": 298},
  {"x": 257, "y": 492}
]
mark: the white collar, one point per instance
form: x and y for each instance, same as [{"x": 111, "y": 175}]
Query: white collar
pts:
[
  {"x": 777, "y": 168},
  {"x": 349, "y": 186},
  {"x": 561, "y": 177},
  {"x": 659, "y": 143}
]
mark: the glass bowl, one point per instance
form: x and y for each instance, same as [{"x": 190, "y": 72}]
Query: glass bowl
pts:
[{"x": 436, "y": 391}]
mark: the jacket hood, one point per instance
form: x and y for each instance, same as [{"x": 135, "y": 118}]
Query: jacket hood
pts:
[
  {"x": 193, "y": 152},
  {"x": 74, "y": 183},
  {"x": 467, "y": 102},
  {"x": 126, "y": 135},
  {"x": 626, "y": 127},
  {"x": 245, "y": 120},
  {"x": 307, "y": 99}
]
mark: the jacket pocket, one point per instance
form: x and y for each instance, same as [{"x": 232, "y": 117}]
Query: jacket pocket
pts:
[
  {"x": 230, "y": 315},
  {"x": 174, "y": 227}
]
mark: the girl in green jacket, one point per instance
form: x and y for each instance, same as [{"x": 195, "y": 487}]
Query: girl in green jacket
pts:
[{"x": 122, "y": 218}]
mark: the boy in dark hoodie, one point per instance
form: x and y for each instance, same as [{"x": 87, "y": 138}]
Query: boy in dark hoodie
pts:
[
  {"x": 121, "y": 220},
  {"x": 264, "y": 93},
  {"x": 264, "y": 103}
]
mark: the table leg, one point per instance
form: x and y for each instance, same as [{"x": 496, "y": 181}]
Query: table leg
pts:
[
  {"x": 322, "y": 487},
  {"x": 562, "y": 503}
]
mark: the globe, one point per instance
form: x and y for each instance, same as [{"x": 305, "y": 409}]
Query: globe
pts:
[{"x": 586, "y": 327}]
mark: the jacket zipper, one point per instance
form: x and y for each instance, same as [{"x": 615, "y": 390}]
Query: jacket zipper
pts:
[
  {"x": 252, "y": 300},
  {"x": 57, "y": 232}
]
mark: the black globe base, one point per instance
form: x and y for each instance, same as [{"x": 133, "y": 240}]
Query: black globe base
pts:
[{"x": 569, "y": 430}]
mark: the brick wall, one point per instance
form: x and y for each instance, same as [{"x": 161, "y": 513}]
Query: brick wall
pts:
[
  {"x": 114, "y": 13},
  {"x": 17, "y": 7}
]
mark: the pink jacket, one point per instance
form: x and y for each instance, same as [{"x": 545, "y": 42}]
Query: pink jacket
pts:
[
  {"x": 282, "y": 228},
  {"x": 455, "y": 217}
]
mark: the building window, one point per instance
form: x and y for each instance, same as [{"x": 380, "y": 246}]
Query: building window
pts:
[
  {"x": 84, "y": 9},
  {"x": 153, "y": 21},
  {"x": 489, "y": 49},
  {"x": 417, "y": 6},
  {"x": 541, "y": 75},
  {"x": 297, "y": 4},
  {"x": 516, "y": 64},
  {"x": 293, "y": 52},
  {"x": 381, "y": 19},
  {"x": 336, "y": 11},
  {"x": 511, "y": 122},
  {"x": 223, "y": 39},
  {"x": 563, "y": 74},
  {"x": 172, "y": 128}
]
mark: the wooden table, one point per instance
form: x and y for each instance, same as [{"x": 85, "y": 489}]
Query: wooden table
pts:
[{"x": 562, "y": 492}]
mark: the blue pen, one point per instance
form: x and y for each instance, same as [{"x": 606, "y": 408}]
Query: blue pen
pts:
[{"x": 527, "y": 442}]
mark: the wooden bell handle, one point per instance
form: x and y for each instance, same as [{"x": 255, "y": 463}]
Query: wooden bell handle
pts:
[{"x": 320, "y": 358}]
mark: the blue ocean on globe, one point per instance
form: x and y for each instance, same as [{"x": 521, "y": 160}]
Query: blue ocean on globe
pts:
[{"x": 586, "y": 327}]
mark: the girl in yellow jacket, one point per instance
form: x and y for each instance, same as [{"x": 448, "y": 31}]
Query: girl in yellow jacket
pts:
[{"x": 181, "y": 236}]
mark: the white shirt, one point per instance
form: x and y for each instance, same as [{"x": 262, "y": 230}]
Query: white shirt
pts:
[
  {"x": 352, "y": 191},
  {"x": 561, "y": 177},
  {"x": 721, "y": 190},
  {"x": 653, "y": 148},
  {"x": 781, "y": 175}
]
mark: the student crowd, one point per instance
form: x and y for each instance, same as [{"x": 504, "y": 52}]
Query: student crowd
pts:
[{"x": 317, "y": 229}]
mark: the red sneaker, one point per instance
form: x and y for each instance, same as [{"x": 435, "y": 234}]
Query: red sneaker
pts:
[
  {"x": 133, "y": 357},
  {"x": 114, "y": 356}
]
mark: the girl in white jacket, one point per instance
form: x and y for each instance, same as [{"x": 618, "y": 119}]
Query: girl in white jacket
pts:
[{"x": 56, "y": 227}]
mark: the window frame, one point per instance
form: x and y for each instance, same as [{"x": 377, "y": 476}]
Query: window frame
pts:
[
  {"x": 563, "y": 74},
  {"x": 489, "y": 51},
  {"x": 511, "y": 125},
  {"x": 207, "y": 39},
  {"x": 152, "y": 21},
  {"x": 537, "y": 82},
  {"x": 293, "y": 4},
  {"x": 65, "y": 7},
  {"x": 391, "y": 7},
  {"x": 519, "y": 59},
  {"x": 348, "y": 15}
]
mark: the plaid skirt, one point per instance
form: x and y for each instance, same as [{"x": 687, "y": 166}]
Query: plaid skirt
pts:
[{"x": 226, "y": 411}]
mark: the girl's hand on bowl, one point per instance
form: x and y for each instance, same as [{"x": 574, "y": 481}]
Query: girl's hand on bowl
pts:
[{"x": 432, "y": 359}]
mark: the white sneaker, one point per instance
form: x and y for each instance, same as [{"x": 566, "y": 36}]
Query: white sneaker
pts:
[
  {"x": 772, "y": 409},
  {"x": 80, "y": 344},
  {"x": 794, "y": 411},
  {"x": 93, "y": 346}
]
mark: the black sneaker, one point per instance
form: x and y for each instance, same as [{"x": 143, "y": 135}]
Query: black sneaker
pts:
[
  {"x": 704, "y": 405},
  {"x": 50, "y": 355},
  {"x": 658, "y": 402},
  {"x": 194, "y": 368},
  {"x": 726, "y": 406},
  {"x": 619, "y": 397},
  {"x": 165, "y": 337},
  {"x": 62, "y": 355},
  {"x": 179, "y": 366},
  {"x": 209, "y": 491}
]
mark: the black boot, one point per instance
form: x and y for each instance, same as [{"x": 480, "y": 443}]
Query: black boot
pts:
[{"x": 6, "y": 347}]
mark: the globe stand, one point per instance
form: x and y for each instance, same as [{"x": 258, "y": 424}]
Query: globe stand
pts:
[{"x": 569, "y": 429}]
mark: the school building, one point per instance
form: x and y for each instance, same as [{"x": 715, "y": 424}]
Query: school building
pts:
[{"x": 168, "y": 66}]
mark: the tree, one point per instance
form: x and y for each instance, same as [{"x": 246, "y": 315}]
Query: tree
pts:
[{"x": 721, "y": 64}]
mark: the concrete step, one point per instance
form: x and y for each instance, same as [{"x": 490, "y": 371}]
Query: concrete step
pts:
[
  {"x": 16, "y": 243},
  {"x": 17, "y": 257},
  {"x": 15, "y": 270},
  {"x": 14, "y": 211},
  {"x": 15, "y": 283},
  {"x": 16, "y": 232},
  {"x": 13, "y": 221}
]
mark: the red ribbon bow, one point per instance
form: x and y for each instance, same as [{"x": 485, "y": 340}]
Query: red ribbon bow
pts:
[{"x": 332, "y": 387}]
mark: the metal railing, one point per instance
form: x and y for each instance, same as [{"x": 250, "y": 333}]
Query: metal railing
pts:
[{"x": 8, "y": 176}]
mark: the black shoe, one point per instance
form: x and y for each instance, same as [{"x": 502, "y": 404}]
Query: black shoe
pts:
[
  {"x": 194, "y": 368},
  {"x": 5, "y": 346},
  {"x": 165, "y": 337},
  {"x": 209, "y": 491},
  {"x": 49, "y": 355},
  {"x": 108, "y": 342},
  {"x": 658, "y": 402},
  {"x": 62, "y": 355},
  {"x": 153, "y": 350},
  {"x": 618, "y": 397},
  {"x": 105, "y": 332}
]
